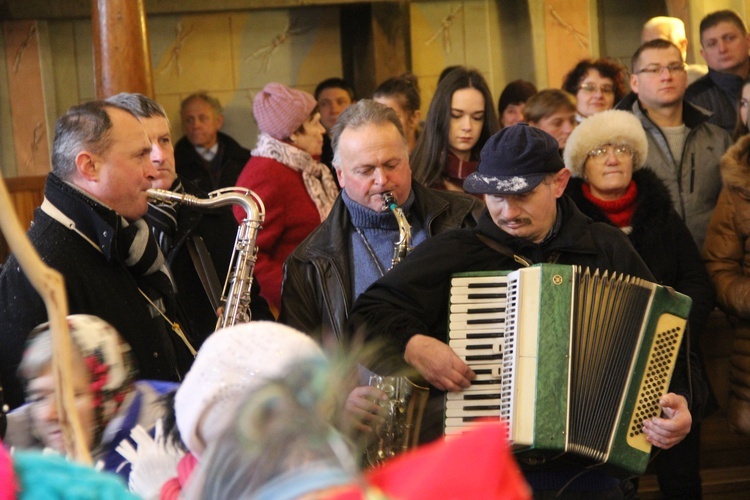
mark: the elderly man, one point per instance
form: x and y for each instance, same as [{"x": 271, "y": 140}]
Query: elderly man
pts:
[
  {"x": 673, "y": 30},
  {"x": 684, "y": 149},
  {"x": 354, "y": 246},
  {"x": 725, "y": 43},
  {"x": 198, "y": 245},
  {"x": 205, "y": 155},
  {"x": 527, "y": 220},
  {"x": 90, "y": 229}
]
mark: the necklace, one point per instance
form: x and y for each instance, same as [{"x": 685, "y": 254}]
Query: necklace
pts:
[{"x": 370, "y": 251}]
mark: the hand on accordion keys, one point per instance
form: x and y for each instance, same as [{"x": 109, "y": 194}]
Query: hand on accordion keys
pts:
[
  {"x": 438, "y": 363},
  {"x": 674, "y": 424}
]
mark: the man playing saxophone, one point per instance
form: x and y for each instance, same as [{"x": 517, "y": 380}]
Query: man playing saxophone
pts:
[
  {"x": 194, "y": 242},
  {"x": 354, "y": 246}
]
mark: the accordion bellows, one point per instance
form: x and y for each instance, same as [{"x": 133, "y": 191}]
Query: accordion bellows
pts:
[{"x": 572, "y": 360}]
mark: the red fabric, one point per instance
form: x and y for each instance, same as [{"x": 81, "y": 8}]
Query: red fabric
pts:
[
  {"x": 476, "y": 465},
  {"x": 619, "y": 211},
  {"x": 172, "y": 489},
  {"x": 8, "y": 485},
  {"x": 290, "y": 216},
  {"x": 457, "y": 169}
]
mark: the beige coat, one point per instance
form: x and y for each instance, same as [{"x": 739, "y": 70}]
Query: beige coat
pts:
[{"x": 727, "y": 255}]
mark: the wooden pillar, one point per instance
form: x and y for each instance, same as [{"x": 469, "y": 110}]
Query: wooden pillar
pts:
[
  {"x": 121, "y": 55},
  {"x": 568, "y": 37},
  {"x": 375, "y": 43}
]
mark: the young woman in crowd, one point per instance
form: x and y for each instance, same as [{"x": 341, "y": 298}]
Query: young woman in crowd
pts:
[
  {"x": 598, "y": 85},
  {"x": 297, "y": 190},
  {"x": 460, "y": 120},
  {"x": 401, "y": 93}
]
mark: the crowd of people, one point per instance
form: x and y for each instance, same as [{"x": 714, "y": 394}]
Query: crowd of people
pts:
[{"x": 628, "y": 171}]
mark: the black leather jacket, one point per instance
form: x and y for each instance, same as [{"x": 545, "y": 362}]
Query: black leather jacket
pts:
[{"x": 316, "y": 294}]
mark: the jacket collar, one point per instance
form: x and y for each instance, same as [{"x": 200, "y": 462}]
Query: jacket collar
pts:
[
  {"x": 735, "y": 168},
  {"x": 692, "y": 115},
  {"x": 96, "y": 222}
]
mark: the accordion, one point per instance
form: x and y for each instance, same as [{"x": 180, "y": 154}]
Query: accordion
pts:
[{"x": 572, "y": 360}]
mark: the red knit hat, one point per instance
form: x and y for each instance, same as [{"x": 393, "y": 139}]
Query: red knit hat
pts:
[{"x": 281, "y": 110}]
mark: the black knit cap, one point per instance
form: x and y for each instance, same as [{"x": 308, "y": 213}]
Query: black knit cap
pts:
[{"x": 514, "y": 161}]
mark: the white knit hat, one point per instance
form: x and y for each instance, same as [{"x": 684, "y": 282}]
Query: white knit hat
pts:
[
  {"x": 230, "y": 363},
  {"x": 608, "y": 127}
]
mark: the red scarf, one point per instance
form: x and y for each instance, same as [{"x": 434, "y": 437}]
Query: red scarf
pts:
[
  {"x": 619, "y": 211},
  {"x": 457, "y": 170}
]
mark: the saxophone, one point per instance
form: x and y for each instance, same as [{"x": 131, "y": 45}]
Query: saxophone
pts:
[
  {"x": 406, "y": 401},
  {"x": 403, "y": 243},
  {"x": 236, "y": 292}
]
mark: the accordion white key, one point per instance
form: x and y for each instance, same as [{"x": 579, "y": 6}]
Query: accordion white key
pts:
[{"x": 572, "y": 360}]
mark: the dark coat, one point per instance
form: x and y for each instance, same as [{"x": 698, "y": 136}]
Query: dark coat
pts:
[
  {"x": 231, "y": 159},
  {"x": 719, "y": 93},
  {"x": 96, "y": 281},
  {"x": 317, "y": 290}
]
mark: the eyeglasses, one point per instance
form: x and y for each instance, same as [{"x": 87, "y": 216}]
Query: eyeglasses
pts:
[
  {"x": 656, "y": 69},
  {"x": 621, "y": 151},
  {"x": 606, "y": 88}
]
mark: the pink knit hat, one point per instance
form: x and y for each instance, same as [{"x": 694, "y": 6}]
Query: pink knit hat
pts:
[{"x": 280, "y": 110}]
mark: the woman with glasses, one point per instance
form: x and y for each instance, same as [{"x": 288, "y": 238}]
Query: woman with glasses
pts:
[
  {"x": 609, "y": 182},
  {"x": 598, "y": 85}
]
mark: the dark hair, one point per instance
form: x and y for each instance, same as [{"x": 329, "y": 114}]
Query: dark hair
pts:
[
  {"x": 447, "y": 70},
  {"x": 657, "y": 43},
  {"x": 431, "y": 152},
  {"x": 720, "y": 16},
  {"x": 516, "y": 92},
  {"x": 405, "y": 88},
  {"x": 335, "y": 83},
  {"x": 211, "y": 101},
  {"x": 359, "y": 114},
  {"x": 608, "y": 68},
  {"x": 82, "y": 127},
  {"x": 740, "y": 128},
  {"x": 546, "y": 103},
  {"x": 138, "y": 104}
]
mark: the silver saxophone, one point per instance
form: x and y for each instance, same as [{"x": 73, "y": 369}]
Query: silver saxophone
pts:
[
  {"x": 404, "y": 408},
  {"x": 236, "y": 293},
  {"x": 402, "y": 246}
]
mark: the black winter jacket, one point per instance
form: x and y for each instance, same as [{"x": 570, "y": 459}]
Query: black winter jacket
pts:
[{"x": 231, "y": 158}]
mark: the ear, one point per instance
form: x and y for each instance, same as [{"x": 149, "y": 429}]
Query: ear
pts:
[
  {"x": 703, "y": 53},
  {"x": 340, "y": 176},
  {"x": 634, "y": 83},
  {"x": 219, "y": 121},
  {"x": 416, "y": 117},
  {"x": 561, "y": 181},
  {"x": 86, "y": 166}
]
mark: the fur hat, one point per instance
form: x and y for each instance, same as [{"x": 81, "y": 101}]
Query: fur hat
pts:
[
  {"x": 514, "y": 161},
  {"x": 281, "y": 110},
  {"x": 230, "y": 363},
  {"x": 608, "y": 127}
]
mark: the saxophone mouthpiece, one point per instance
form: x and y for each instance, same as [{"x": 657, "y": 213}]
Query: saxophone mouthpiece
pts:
[{"x": 389, "y": 201}]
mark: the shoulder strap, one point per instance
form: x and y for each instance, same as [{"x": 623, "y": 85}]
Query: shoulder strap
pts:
[
  {"x": 204, "y": 266},
  {"x": 502, "y": 249}
]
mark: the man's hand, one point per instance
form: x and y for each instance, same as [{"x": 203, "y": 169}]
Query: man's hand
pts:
[
  {"x": 362, "y": 412},
  {"x": 438, "y": 364},
  {"x": 674, "y": 425}
]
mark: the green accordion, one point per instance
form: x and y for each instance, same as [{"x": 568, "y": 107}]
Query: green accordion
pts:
[{"x": 572, "y": 360}]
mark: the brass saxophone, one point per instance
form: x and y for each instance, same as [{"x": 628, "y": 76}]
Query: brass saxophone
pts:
[
  {"x": 403, "y": 244},
  {"x": 406, "y": 401},
  {"x": 236, "y": 292}
]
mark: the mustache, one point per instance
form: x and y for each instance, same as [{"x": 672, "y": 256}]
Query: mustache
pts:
[{"x": 514, "y": 221}]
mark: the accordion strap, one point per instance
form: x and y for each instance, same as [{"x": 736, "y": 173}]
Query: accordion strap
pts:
[{"x": 500, "y": 248}]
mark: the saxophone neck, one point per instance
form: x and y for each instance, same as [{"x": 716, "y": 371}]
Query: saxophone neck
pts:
[{"x": 402, "y": 246}]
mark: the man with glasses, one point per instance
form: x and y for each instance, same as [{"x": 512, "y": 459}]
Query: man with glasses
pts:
[
  {"x": 684, "y": 149},
  {"x": 725, "y": 43}
]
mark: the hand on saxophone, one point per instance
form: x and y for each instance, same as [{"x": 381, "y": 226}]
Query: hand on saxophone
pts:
[
  {"x": 438, "y": 364},
  {"x": 362, "y": 412}
]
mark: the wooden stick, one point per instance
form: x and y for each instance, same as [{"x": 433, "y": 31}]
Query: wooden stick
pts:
[{"x": 51, "y": 286}]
